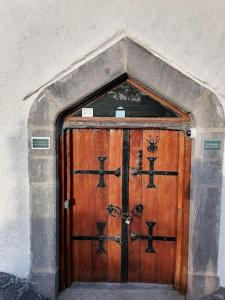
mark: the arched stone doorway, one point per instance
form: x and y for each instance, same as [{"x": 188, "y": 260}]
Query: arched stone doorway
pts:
[
  {"x": 139, "y": 133},
  {"x": 126, "y": 57}
]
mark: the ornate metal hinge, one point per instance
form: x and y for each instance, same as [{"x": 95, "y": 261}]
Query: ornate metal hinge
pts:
[
  {"x": 152, "y": 144},
  {"x": 101, "y": 172},
  {"x": 101, "y": 238},
  {"x": 150, "y": 237},
  {"x": 151, "y": 172}
]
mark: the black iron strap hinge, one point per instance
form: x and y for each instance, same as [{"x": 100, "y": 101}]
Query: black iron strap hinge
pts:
[
  {"x": 151, "y": 172},
  {"x": 101, "y": 172},
  {"x": 150, "y": 237},
  {"x": 101, "y": 238}
]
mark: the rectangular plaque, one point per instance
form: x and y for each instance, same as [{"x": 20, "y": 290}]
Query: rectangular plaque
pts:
[
  {"x": 87, "y": 112},
  {"x": 212, "y": 145},
  {"x": 40, "y": 142},
  {"x": 120, "y": 112}
]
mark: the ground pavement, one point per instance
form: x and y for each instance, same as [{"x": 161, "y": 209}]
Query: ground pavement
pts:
[{"x": 114, "y": 291}]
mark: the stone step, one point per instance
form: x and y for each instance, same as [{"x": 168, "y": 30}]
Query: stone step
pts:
[{"x": 117, "y": 291}]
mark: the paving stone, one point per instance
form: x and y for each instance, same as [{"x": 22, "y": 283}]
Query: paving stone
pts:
[
  {"x": 218, "y": 295},
  {"x": 103, "y": 291},
  {"x": 14, "y": 288}
]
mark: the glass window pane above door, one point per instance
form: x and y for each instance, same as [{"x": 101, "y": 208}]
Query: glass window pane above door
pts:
[{"x": 125, "y": 100}]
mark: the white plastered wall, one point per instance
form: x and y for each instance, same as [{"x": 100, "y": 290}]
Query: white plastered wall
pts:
[{"x": 39, "y": 39}]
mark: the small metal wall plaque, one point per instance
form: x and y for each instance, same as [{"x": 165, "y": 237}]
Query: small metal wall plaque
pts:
[
  {"x": 213, "y": 145},
  {"x": 40, "y": 142}
]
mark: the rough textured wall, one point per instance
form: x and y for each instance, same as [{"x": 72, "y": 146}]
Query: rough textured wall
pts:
[{"x": 41, "y": 38}]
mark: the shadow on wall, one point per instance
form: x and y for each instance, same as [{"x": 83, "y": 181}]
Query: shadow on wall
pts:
[{"x": 14, "y": 241}]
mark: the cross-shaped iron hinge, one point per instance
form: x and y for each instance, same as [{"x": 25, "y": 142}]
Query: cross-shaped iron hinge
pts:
[
  {"x": 151, "y": 172},
  {"x": 101, "y": 238},
  {"x": 150, "y": 237},
  {"x": 101, "y": 172}
]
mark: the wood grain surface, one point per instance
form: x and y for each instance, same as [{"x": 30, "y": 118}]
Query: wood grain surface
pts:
[{"x": 167, "y": 204}]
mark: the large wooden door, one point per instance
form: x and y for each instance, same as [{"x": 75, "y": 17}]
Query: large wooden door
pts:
[
  {"x": 125, "y": 206},
  {"x": 154, "y": 260}
]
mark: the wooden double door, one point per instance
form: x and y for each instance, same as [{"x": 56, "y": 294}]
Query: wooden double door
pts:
[{"x": 124, "y": 206}]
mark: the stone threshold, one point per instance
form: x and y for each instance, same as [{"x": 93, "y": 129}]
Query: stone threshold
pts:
[{"x": 120, "y": 291}]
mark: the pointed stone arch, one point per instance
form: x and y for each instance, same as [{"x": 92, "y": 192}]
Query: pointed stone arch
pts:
[{"x": 126, "y": 56}]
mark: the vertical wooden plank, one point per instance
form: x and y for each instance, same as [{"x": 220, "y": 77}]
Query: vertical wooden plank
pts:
[
  {"x": 151, "y": 209},
  {"x": 61, "y": 215},
  {"x": 185, "y": 222},
  {"x": 75, "y": 196},
  {"x": 180, "y": 194},
  {"x": 125, "y": 206},
  {"x": 68, "y": 211},
  {"x": 115, "y": 198},
  {"x": 100, "y": 201},
  {"x": 134, "y": 252},
  {"x": 167, "y": 201},
  {"x": 84, "y": 198}
]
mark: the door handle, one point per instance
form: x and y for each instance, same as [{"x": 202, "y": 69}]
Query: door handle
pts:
[
  {"x": 137, "y": 210},
  {"x": 152, "y": 144},
  {"x": 115, "y": 211}
]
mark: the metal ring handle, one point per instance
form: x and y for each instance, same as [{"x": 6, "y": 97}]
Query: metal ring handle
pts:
[{"x": 113, "y": 210}]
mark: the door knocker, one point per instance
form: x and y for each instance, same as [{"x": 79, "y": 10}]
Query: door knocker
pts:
[
  {"x": 137, "y": 210},
  {"x": 115, "y": 211},
  {"x": 152, "y": 144}
]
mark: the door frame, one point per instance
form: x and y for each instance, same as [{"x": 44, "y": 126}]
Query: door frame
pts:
[{"x": 183, "y": 204}]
